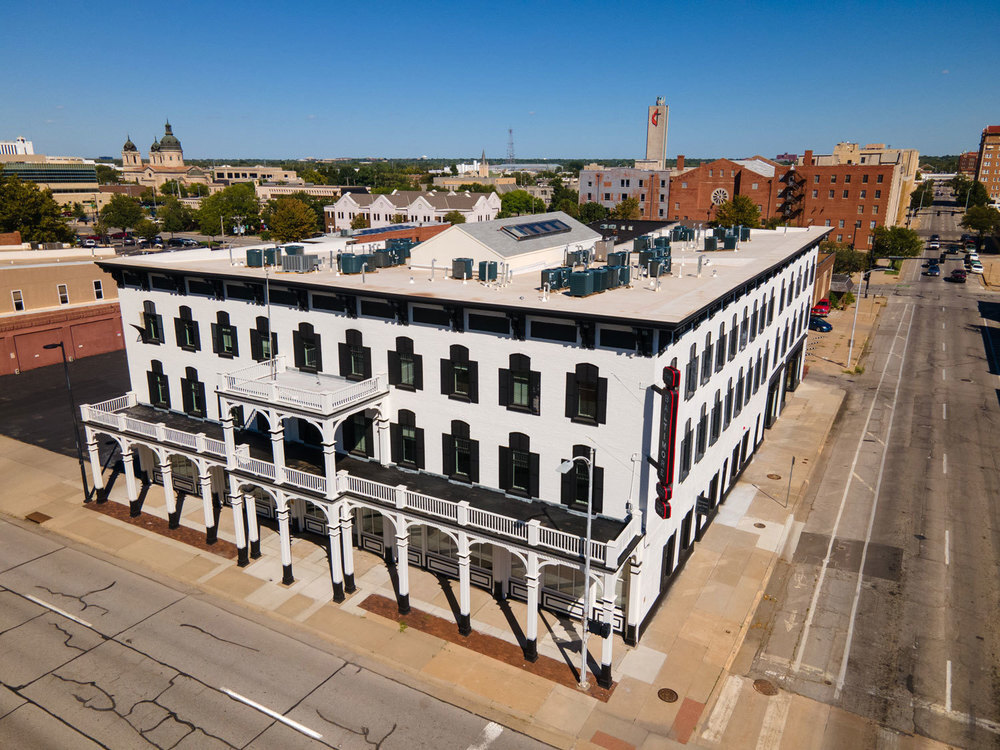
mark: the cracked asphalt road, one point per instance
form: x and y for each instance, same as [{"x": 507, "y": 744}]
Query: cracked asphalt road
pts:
[{"x": 95, "y": 656}]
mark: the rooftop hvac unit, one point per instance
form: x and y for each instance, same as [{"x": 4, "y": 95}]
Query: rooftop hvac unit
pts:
[
  {"x": 255, "y": 257},
  {"x": 619, "y": 258},
  {"x": 352, "y": 264},
  {"x": 581, "y": 283},
  {"x": 729, "y": 243},
  {"x": 383, "y": 259},
  {"x": 601, "y": 250},
  {"x": 461, "y": 268},
  {"x": 487, "y": 270},
  {"x": 711, "y": 243},
  {"x": 552, "y": 277},
  {"x": 293, "y": 249},
  {"x": 300, "y": 263},
  {"x": 641, "y": 243},
  {"x": 744, "y": 234}
]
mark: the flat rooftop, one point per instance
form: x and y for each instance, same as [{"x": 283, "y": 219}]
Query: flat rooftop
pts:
[{"x": 669, "y": 299}]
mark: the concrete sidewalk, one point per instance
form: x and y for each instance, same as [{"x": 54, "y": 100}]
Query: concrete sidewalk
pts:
[{"x": 690, "y": 646}]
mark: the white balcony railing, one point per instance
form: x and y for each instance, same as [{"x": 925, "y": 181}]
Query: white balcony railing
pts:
[
  {"x": 273, "y": 382},
  {"x": 110, "y": 414}
]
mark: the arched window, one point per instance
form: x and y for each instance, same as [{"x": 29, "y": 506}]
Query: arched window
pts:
[
  {"x": 406, "y": 369},
  {"x": 460, "y": 454},
  {"x": 355, "y": 357},
  {"x": 519, "y": 466},
  {"x": 586, "y": 395},
  {"x": 193, "y": 393},
  {"x": 159, "y": 389},
  {"x": 520, "y": 388},
  {"x": 186, "y": 329},
  {"x": 262, "y": 346},
  {"x": 308, "y": 351},
  {"x": 224, "y": 341},
  {"x": 407, "y": 441},
  {"x": 460, "y": 376},
  {"x": 575, "y": 489}
]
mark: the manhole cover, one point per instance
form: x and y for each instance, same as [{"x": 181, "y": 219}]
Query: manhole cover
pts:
[
  {"x": 667, "y": 695},
  {"x": 765, "y": 687},
  {"x": 774, "y": 476},
  {"x": 37, "y": 517},
  {"x": 759, "y": 525}
]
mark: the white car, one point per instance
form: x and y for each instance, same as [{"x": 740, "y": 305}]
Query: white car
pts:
[
  {"x": 935, "y": 245},
  {"x": 976, "y": 267},
  {"x": 972, "y": 256}
]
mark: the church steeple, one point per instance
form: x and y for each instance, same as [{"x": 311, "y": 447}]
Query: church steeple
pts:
[{"x": 484, "y": 167}]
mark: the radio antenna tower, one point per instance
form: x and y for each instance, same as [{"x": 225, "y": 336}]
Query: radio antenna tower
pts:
[{"x": 510, "y": 145}]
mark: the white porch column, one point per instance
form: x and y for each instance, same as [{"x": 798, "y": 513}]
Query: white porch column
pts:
[
  {"x": 253, "y": 530},
  {"x": 608, "y": 607},
  {"x": 330, "y": 468},
  {"x": 336, "y": 571},
  {"x": 278, "y": 449},
  {"x": 403, "y": 569},
  {"x": 531, "y": 626},
  {"x": 347, "y": 542},
  {"x": 229, "y": 436},
  {"x": 169, "y": 496},
  {"x": 93, "y": 451},
  {"x": 384, "y": 443},
  {"x": 236, "y": 498},
  {"x": 633, "y": 598},
  {"x": 205, "y": 483},
  {"x": 286, "y": 547},
  {"x": 130, "y": 488},
  {"x": 464, "y": 595}
]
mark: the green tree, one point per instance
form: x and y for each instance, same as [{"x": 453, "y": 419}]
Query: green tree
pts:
[
  {"x": 740, "y": 211},
  {"x": 108, "y": 175},
  {"x": 32, "y": 212},
  {"x": 592, "y": 211},
  {"x": 923, "y": 195},
  {"x": 173, "y": 187},
  {"x": 627, "y": 209},
  {"x": 197, "y": 190},
  {"x": 313, "y": 176},
  {"x": 898, "y": 241},
  {"x": 175, "y": 216},
  {"x": 454, "y": 217},
  {"x": 561, "y": 194},
  {"x": 146, "y": 229},
  {"x": 847, "y": 260},
  {"x": 360, "y": 222},
  {"x": 774, "y": 222},
  {"x": 520, "y": 203},
  {"x": 982, "y": 220},
  {"x": 235, "y": 204},
  {"x": 78, "y": 213},
  {"x": 454, "y": 170},
  {"x": 314, "y": 204},
  {"x": 398, "y": 219},
  {"x": 475, "y": 187},
  {"x": 291, "y": 220},
  {"x": 567, "y": 206},
  {"x": 122, "y": 211}
]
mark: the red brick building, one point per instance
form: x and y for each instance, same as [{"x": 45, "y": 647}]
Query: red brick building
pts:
[
  {"x": 854, "y": 199},
  {"x": 967, "y": 163}
]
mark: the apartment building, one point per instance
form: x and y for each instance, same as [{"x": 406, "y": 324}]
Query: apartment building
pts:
[
  {"x": 421, "y": 412},
  {"x": 413, "y": 206},
  {"x": 988, "y": 161}
]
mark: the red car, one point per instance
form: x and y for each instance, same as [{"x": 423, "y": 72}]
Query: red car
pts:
[{"x": 821, "y": 309}]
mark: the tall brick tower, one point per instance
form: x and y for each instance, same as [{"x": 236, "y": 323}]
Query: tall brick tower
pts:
[{"x": 656, "y": 134}]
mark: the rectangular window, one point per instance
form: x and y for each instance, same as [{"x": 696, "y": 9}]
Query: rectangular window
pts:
[
  {"x": 831, "y": 193},
  {"x": 861, "y": 209},
  {"x": 847, "y": 178},
  {"x": 98, "y": 290},
  {"x": 463, "y": 457},
  {"x": 227, "y": 341},
  {"x": 63, "y": 294},
  {"x": 878, "y": 194},
  {"x": 845, "y": 193},
  {"x": 840, "y": 224},
  {"x": 816, "y": 179},
  {"x": 408, "y": 444},
  {"x": 18, "y": 300},
  {"x": 815, "y": 193},
  {"x": 863, "y": 194},
  {"x": 520, "y": 475},
  {"x": 878, "y": 179},
  {"x": 587, "y": 401},
  {"x": 864, "y": 179},
  {"x": 874, "y": 209}
]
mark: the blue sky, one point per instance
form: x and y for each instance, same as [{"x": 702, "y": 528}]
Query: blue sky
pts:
[{"x": 324, "y": 79}]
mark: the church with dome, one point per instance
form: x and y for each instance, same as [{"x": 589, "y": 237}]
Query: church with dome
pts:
[{"x": 166, "y": 163}]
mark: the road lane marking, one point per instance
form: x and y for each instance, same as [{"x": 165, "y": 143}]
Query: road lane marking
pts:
[
  {"x": 942, "y": 346},
  {"x": 947, "y": 686},
  {"x": 773, "y": 726},
  {"x": 942, "y": 325},
  {"x": 723, "y": 710},
  {"x": 944, "y": 411},
  {"x": 842, "y": 675},
  {"x": 947, "y": 547},
  {"x": 944, "y": 463},
  {"x": 942, "y": 373},
  {"x": 273, "y": 714},
  {"x": 58, "y": 611},
  {"x": 487, "y": 737},
  {"x": 811, "y": 612}
]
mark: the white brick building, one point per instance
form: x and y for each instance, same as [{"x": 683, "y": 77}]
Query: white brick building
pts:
[
  {"x": 424, "y": 418},
  {"x": 412, "y": 206}
]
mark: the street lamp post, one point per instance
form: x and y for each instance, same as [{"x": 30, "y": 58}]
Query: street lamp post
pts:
[
  {"x": 76, "y": 425},
  {"x": 564, "y": 467}
]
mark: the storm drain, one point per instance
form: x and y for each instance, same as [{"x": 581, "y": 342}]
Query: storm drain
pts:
[
  {"x": 765, "y": 687},
  {"x": 37, "y": 517},
  {"x": 667, "y": 695}
]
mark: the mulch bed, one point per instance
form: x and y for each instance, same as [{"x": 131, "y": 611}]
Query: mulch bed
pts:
[
  {"x": 160, "y": 526},
  {"x": 495, "y": 648}
]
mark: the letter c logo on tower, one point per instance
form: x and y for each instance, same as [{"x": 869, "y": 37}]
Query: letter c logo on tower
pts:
[{"x": 655, "y": 119}]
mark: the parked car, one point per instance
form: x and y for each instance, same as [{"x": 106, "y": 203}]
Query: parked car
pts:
[
  {"x": 818, "y": 324},
  {"x": 188, "y": 242},
  {"x": 976, "y": 267},
  {"x": 935, "y": 237},
  {"x": 933, "y": 271},
  {"x": 821, "y": 308},
  {"x": 935, "y": 245},
  {"x": 175, "y": 242},
  {"x": 958, "y": 275},
  {"x": 90, "y": 243},
  {"x": 129, "y": 242},
  {"x": 953, "y": 248}
]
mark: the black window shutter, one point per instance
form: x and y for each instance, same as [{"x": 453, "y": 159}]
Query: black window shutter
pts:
[
  {"x": 395, "y": 443},
  {"x": 201, "y": 400},
  {"x": 297, "y": 346},
  {"x": 236, "y": 343},
  {"x": 418, "y": 372},
  {"x": 446, "y": 377},
  {"x": 216, "y": 343},
  {"x": 474, "y": 460},
  {"x": 395, "y": 371},
  {"x": 348, "y": 435},
  {"x": 474, "y": 382},
  {"x": 196, "y": 336},
  {"x": 602, "y": 400},
  {"x": 420, "y": 447},
  {"x": 319, "y": 353},
  {"x": 447, "y": 455},
  {"x": 567, "y": 483},
  {"x": 153, "y": 395},
  {"x": 274, "y": 344},
  {"x": 179, "y": 331},
  {"x": 504, "y": 468},
  {"x": 598, "y": 489},
  {"x": 533, "y": 475},
  {"x": 367, "y": 362},
  {"x": 345, "y": 360},
  {"x": 504, "y": 393},
  {"x": 536, "y": 392},
  {"x": 572, "y": 398},
  {"x": 186, "y": 394},
  {"x": 369, "y": 437}
]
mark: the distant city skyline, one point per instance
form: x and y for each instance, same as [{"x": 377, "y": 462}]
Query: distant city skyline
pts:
[{"x": 396, "y": 80}]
